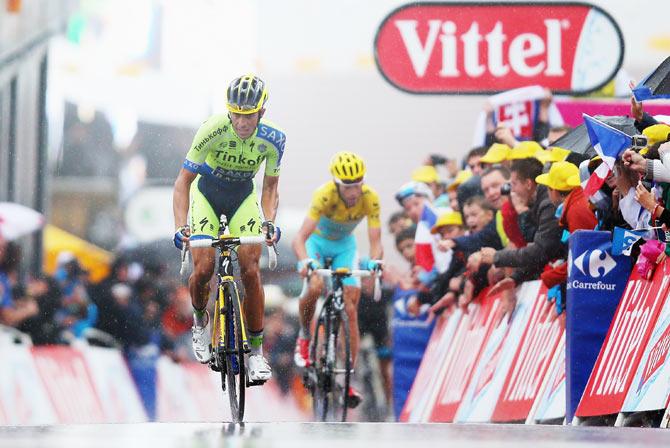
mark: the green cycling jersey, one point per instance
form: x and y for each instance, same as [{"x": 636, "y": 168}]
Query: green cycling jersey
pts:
[{"x": 218, "y": 152}]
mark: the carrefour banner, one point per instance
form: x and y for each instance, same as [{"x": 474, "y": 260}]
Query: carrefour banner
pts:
[{"x": 596, "y": 282}]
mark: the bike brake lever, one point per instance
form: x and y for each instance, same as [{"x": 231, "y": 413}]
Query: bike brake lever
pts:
[{"x": 184, "y": 260}]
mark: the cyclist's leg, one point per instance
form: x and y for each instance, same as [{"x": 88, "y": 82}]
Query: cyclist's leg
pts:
[
  {"x": 307, "y": 304},
  {"x": 246, "y": 221},
  {"x": 347, "y": 257},
  {"x": 204, "y": 224},
  {"x": 203, "y": 220}
]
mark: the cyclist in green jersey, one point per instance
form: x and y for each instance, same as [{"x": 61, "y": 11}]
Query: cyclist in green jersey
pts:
[{"x": 217, "y": 178}]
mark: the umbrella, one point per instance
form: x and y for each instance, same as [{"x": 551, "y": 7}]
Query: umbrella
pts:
[
  {"x": 17, "y": 220},
  {"x": 655, "y": 85},
  {"x": 91, "y": 257},
  {"x": 577, "y": 140}
]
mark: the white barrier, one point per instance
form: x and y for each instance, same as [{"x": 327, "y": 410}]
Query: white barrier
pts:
[
  {"x": 85, "y": 384},
  {"x": 23, "y": 398}
]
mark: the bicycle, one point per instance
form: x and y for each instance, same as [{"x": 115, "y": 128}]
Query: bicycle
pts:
[
  {"x": 229, "y": 335},
  {"x": 328, "y": 374}
]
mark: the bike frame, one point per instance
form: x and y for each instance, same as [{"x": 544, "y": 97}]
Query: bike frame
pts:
[{"x": 223, "y": 304}]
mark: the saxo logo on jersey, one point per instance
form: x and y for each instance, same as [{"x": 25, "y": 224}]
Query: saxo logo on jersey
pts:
[{"x": 485, "y": 48}]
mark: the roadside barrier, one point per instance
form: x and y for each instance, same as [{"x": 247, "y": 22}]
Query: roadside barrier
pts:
[
  {"x": 481, "y": 368},
  {"x": 87, "y": 384}
]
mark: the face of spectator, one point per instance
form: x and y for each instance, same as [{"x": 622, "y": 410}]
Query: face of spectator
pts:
[
  {"x": 453, "y": 200},
  {"x": 350, "y": 194},
  {"x": 399, "y": 225},
  {"x": 476, "y": 218},
  {"x": 406, "y": 249},
  {"x": 450, "y": 232},
  {"x": 413, "y": 206},
  {"x": 555, "y": 197},
  {"x": 435, "y": 188},
  {"x": 475, "y": 166},
  {"x": 491, "y": 184},
  {"x": 523, "y": 188}
]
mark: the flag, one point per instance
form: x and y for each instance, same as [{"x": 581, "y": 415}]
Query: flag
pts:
[
  {"x": 516, "y": 109},
  {"x": 597, "y": 179},
  {"x": 427, "y": 255},
  {"x": 608, "y": 142},
  {"x": 624, "y": 239}
]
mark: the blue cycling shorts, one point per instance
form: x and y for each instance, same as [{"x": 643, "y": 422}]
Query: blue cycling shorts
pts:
[{"x": 342, "y": 251}]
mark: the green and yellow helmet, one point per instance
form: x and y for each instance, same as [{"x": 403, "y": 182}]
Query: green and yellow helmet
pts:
[
  {"x": 246, "y": 95},
  {"x": 347, "y": 167}
]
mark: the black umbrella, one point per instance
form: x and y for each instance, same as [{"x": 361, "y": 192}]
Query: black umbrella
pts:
[
  {"x": 656, "y": 84},
  {"x": 577, "y": 140}
]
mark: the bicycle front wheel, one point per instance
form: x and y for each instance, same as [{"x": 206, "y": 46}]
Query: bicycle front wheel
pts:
[
  {"x": 341, "y": 370},
  {"x": 235, "y": 373},
  {"x": 331, "y": 357}
]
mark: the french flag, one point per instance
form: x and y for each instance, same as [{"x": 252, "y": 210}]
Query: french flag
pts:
[
  {"x": 609, "y": 143},
  {"x": 427, "y": 255}
]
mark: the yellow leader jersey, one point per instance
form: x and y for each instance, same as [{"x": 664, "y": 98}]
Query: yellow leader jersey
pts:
[{"x": 334, "y": 219}]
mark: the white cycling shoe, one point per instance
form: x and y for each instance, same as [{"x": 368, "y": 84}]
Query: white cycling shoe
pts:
[
  {"x": 259, "y": 369},
  {"x": 201, "y": 348}
]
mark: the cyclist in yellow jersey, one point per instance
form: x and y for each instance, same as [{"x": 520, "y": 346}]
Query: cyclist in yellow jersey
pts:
[
  {"x": 336, "y": 209},
  {"x": 217, "y": 177}
]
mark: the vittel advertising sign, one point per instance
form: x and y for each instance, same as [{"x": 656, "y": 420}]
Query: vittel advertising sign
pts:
[{"x": 487, "y": 48}]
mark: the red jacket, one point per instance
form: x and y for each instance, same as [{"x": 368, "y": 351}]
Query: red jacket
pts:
[
  {"x": 510, "y": 224},
  {"x": 577, "y": 215}
]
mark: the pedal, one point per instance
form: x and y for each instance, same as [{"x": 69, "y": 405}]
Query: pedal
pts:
[
  {"x": 213, "y": 365},
  {"x": 255, "y": 383}
]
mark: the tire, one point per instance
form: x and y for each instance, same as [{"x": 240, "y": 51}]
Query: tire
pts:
[
  {"x": 234, "y": 356},
  {"x": 341, "y": 371},
  {"x": 318, "y": 374}
]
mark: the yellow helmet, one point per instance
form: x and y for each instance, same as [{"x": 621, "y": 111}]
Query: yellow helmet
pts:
[
  {"x": 246, "y": 95},
  {"x": 346, "y": 167}
]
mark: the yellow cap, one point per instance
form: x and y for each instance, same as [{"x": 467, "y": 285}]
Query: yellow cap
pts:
[
  {"x": 524, "y": 150},
  {"x": 657, "y": 133},
  {"x": 447, "y": 219},
  {"x": 553, "y": 154},
  {"x": 558, "y": 176},
  {"x": 426, "y": 174},
  {"x": 461, "y": 177},
  {"x": 497, "y": 153}
]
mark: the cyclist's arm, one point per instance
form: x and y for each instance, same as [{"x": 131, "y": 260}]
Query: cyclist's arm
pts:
[
  {"x": 180, "y": 197},
  {"x": 270, "y": 197},
  {"x": 375, "y": 237},
  {"x": 307, "y": 228}
]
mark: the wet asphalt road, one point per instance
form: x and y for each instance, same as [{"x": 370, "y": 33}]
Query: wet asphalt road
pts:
[{"x": 295, "y": 435}]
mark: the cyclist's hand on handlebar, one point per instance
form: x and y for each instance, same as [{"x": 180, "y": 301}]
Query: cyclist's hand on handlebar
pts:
[
  {"x": 307, "y": 264},
  {"x": 181, "y": 236},
  {"x": 370, "y": 265},
  {"x": 374, "y": 265},
  {"x": 272, "y": 232}
]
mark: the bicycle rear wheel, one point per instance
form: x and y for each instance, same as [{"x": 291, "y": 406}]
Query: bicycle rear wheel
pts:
[{"x": 235, "y": 373}]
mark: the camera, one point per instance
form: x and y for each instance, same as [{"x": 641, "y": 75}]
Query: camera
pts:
[
  {"x": 506, "y": 189},
  {"x": 437, "y": 159},
  {"x": 638, "y": 141}
]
